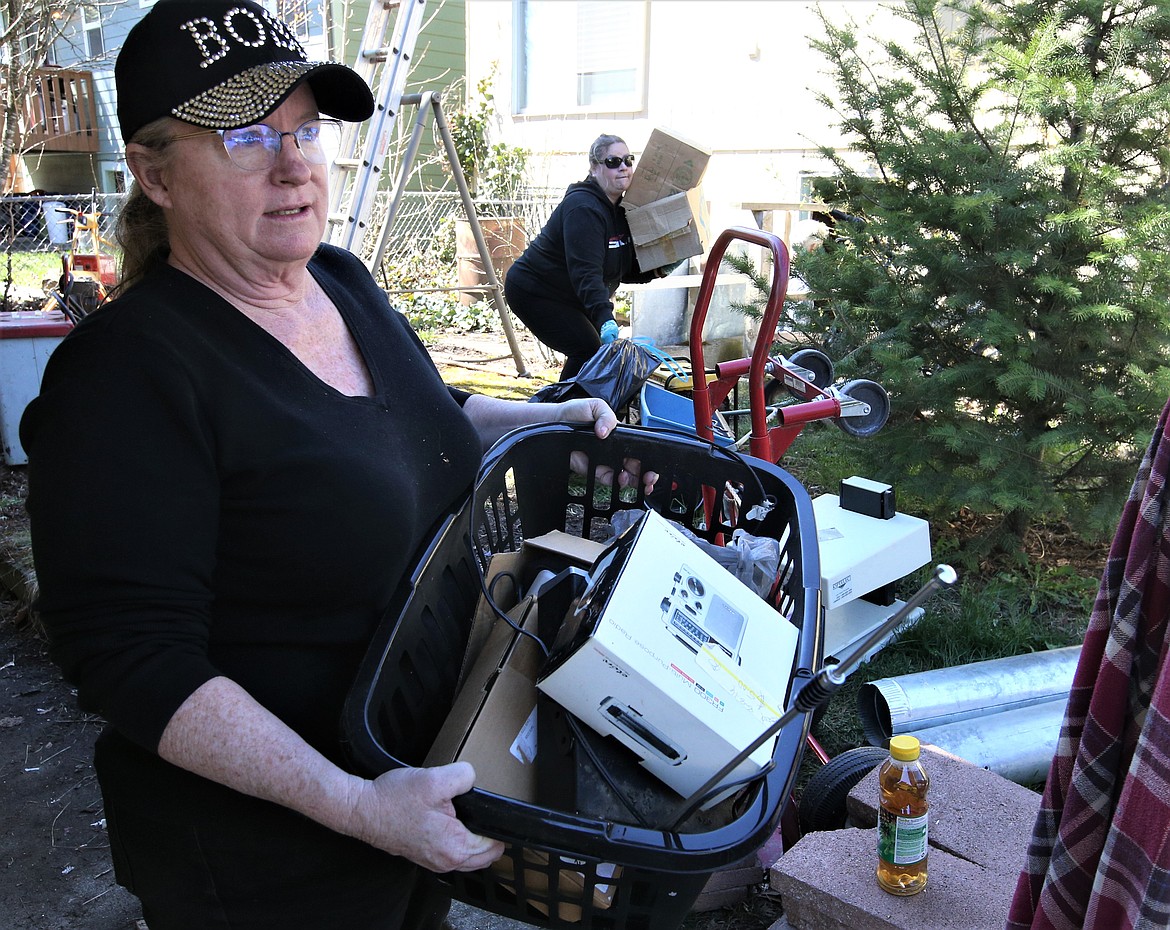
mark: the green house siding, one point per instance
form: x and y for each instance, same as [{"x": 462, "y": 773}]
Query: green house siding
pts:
[
  {"x": 439, "y": 61},
  {"x": 441, "y": 52}
]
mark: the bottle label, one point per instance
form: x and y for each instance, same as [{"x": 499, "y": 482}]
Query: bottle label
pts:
[{"x": 902, "y": 840}]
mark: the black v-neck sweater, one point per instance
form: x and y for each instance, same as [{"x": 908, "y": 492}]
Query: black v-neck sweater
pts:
[{"x": 202, "y": 504}]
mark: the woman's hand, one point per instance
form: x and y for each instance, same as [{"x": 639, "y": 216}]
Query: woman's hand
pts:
[
  {"x": 598, "y": 412},
  {"x": 409, "y": 812}
]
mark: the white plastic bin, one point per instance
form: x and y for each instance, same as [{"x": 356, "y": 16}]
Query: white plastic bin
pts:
[
  {"x": 57, "y": 224},
  {"x": 26, "y": 341}
]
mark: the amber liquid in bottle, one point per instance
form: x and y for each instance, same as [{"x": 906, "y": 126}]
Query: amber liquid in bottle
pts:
[{"x": 902, "y": 819}]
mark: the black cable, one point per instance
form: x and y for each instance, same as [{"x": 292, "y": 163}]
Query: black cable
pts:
[
  {"x": 695, "y": 802},
  {"x": 764, "y": 771},
  {"x": 491, "y": 601}
]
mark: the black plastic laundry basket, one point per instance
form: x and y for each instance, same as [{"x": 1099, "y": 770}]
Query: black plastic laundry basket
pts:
[{"x": 565, "y": 870}]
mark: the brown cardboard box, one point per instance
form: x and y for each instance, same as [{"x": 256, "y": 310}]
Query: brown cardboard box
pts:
[
  {"x": 670, "y": 229},
  {"x": 665, "y": 208},
  {"x": 668, "y": 165},
  {"x": 492, "y": 723}
]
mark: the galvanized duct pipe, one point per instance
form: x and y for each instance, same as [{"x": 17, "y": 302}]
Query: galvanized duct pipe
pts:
[
  {"x": 924, "y": 700},
  {"x": 1018, "y": 744}
]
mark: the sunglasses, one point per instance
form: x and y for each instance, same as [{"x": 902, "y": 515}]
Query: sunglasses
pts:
[
  {"x": 255, "y": 148},
  {"x": 616, "y": 161}
]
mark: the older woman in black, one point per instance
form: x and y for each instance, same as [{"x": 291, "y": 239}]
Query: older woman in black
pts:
[{"x": 265, "y": 446}]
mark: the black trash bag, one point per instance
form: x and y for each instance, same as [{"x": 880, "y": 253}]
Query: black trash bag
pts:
[{"x": 615, "y": 374}]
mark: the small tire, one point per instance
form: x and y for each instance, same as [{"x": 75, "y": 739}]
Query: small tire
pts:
[
  {"x": 812, "y": 360},
  {"x": 868, "y": 392},
  {"x": 822, "y": 805},
  {"x": 818, "y": 363}
]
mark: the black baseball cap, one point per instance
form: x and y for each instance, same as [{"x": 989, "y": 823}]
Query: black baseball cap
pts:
[{"x": 223, "y": 64}]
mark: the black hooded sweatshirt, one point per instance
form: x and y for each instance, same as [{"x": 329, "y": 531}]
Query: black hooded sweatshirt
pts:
[{"x": 581, "y": 256}]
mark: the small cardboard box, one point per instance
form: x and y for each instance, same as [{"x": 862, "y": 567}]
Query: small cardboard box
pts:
[
  {"x": 670, "y": 229},
  {"x": 492, "y": 723},
  {"x": 860, "y": 554},
  {"x": 674, "y": 657},
  {"x": 664, "y": 205},
  {"x": 661, "y": 218},
  {"x": 668, "y": 165}
]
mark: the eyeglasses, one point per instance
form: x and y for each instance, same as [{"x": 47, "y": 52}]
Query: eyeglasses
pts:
[
  {"x": 616, "y": 161},
  {"x": 254, "y": 148}
]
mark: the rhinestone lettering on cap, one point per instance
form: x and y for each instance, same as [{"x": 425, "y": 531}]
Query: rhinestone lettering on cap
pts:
[
  {"x": 213, "y": 46},
  {"x": 223, "y": 64},
  {"x": 203, "y": 31}
]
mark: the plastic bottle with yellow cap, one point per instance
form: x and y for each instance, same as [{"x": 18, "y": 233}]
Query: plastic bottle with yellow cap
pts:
[{"x": 903, "y": 827}]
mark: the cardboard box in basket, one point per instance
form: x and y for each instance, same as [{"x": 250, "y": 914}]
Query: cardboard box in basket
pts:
[
  {"x": 674, "y": 657},
  {"x": 664, "y": 204},
  {"x": 570, "y": 884},
  {"x": 492, "y": 723}
]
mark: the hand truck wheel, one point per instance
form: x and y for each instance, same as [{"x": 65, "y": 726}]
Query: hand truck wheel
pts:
[
  {"x": 822, "y": 804},
  {"x": 813, "y": 361},
  {"x": 817, "y": 362},
  {"x": 872, "y": 394}
]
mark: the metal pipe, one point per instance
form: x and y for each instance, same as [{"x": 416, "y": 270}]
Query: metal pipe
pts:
[
  {"x": 817, "y": 690},
  {"x": 485, "y": 254},
  {"x": 1017, "y": 744},
  {"x": 411, "y": 151},
  {"x": 911, "y": 703}
]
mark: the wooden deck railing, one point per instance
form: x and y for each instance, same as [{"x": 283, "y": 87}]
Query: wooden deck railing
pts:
[{"x": 61, "y": 112}]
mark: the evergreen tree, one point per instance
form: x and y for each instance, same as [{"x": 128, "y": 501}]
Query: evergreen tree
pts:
[{"x": 1009, "y": 282}]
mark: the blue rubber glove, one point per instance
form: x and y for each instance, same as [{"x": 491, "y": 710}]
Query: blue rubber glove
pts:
[{"x": 609, "y": 332}]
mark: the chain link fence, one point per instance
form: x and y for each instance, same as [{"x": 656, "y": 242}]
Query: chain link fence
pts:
[
  {"x": 36, "y": 232},
  {"x": 420, "y": 256}
]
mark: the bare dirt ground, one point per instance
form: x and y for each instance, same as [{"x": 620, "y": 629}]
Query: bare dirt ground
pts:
[
  {"x": 53, "y": 848},
  {"x": 55, "y": 871}
]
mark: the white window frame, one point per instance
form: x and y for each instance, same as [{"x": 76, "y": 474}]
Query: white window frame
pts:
[
  {"x": 562, "y": 60},
  {"x": 89, "y": 27}
]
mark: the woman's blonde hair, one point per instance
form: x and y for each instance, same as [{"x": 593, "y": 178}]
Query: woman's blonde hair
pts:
[{"x": 141, "y": 228}]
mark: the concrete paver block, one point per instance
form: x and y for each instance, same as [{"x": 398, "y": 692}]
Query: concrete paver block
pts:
[
  {"x": 826, "y": 882},
  {"x": 974, "y": 814},
  {"x": 730, "y": 886}
]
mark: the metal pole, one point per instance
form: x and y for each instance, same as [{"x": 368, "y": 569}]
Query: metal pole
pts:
[
  {"x": 403, "y": 173},
  {"x": 473, "y": 218},
  {"x": 820, "y": 688}
]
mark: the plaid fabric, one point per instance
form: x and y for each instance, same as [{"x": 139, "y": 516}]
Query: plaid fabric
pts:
[{"x": 1100, "y": 851}]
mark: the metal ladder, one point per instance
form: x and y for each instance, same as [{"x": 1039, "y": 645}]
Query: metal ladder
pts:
[
  {"x": 354, "y": 179},
  {"x": 355, "y": 176},
  {"x": 431, "y": 103}
]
